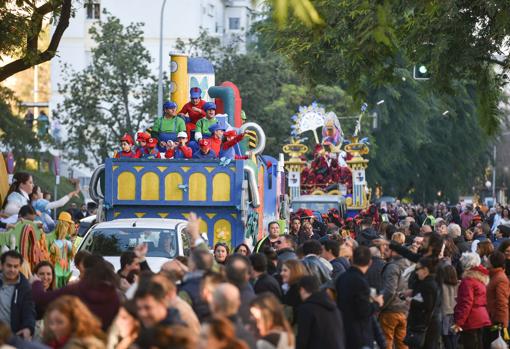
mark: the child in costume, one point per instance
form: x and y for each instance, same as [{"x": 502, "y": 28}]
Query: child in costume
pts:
[
  {"x": 202, "y": 127},
  {"x": 216, "y": 130},
  {"x": 151, "y": 151},
  {"x": 141, "y": 138},
  {"x": 179, "y": 150},
  {"x": 61, "y": 249},
  {"x": 126, "y": 144},
  {"x": 227, "y": 147},
  {"x": 205, "y": 151}
]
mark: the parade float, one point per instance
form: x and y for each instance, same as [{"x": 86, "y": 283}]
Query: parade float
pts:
[
  {"x": 235, "y": 199},
  {"x": 335, "y": 176}
]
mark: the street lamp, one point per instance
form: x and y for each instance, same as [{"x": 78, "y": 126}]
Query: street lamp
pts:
[{"x": 160, "y": 78}]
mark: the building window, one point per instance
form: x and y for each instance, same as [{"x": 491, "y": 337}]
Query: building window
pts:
[
  {"x": 93, "y": 8},
  {"x": 234, "y": 23}
]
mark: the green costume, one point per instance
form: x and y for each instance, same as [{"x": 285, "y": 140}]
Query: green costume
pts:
[
  {"x": 169, "y": 125},
  {"x": 203, "y": 126}
]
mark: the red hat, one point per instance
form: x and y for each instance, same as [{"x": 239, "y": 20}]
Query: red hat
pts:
[
  {"x": 127, "y": 138},
  {"x": 308, "y": 213},
  {"x": 205, "y": 143},
  {"x": 231, "y": 133},
  {"x": 142, "y": 136},
  {"x": 152, "y": 142}
]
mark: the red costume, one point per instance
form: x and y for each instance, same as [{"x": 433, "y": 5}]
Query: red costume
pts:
[
  {"x": 187, "y": 109},
  {"x": 126, "y": 154},
  {"x": 179, "y": 152},
  {"x": 141, "y": 137}
]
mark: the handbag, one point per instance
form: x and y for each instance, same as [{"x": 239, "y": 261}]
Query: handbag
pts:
[{"x": 499, "y": 343}]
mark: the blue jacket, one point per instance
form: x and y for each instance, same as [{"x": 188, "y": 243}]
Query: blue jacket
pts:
[
  {"x": 199, "y": 155},
  {"x": 22, "y": 306}
]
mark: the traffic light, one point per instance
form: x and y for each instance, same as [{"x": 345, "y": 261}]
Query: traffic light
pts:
[{"x": 421, "y": 72}]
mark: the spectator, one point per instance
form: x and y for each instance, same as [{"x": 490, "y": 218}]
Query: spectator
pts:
[
  {"x": 16, "y": 305},
  {"x": 331, "y": 252},
  {"x": 274, "y": 330},
  {"x": 133, "y": 262},
  {"x": 126, "y": 326},
  {"x": 18, "y": 194},
  {"x": 79, "y": 258},
  {"x": 238, "y": 270},
  {"x": 374, "y": 272},
  {"x": 10, "y": 341},
  {"x": 484, "y": 249},
  {"x": 243, "y": 249},
  {"x": 210, "y": 281},
  {"x": 164, "y": 336},
  {"x": 46, "y": 273},
  {"x": 355, "y": 302},
  {"x": 285, "y": 250},
  {"x": 471, "y": 314},
  {"x": 292, "y": 271},
  {"x": 82, "y": 213},
  {"x": 448, "y": 281},
  {"x": 315, "y": 265},
  {"x": 271, "y": 239},
  {"x": 200, "y": 262},
  {"x": 27, "y": 213},
  {"x": 218, "y": 333},
  {"x": 393, "y": 315},
  {"x": 319, "y": 320},
  {"x": 152, "y": 306},
  {"x": 221, "y": 252},
  {"x": 68, "y": 323},
  {"x": 455, "y": 232},
  {"x": 466, "y": 217},
  {"x": 262, "y": 281},
  {"x": 498, "y": 292},
  {"x": 186, "y": 313},
  {"x": 307, "y": 233},
  {"x": 225, "y": 303},
  {"x": 368, "y": 233},
  {"x": 423, "y": 321},
  {"x": 97, "y": 289},
  {"x": 295, "y": 228}
]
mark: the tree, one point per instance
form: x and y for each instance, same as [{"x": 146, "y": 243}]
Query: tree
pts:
[
  {"x": 22, "y": 22},
  {"x": 363, "y": 42},
  {"x": 114, "y": 95}
]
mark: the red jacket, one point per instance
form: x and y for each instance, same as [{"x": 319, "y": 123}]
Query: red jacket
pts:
[
  {"x": 180, "y": 152},
  {"x": 215, "y": 144},
  {"x": 498, "y": 291},
  {"x": 471, "y": 309},
  {"x": 194, "y": 115}
]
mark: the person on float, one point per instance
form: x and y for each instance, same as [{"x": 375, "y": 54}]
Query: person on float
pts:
[
  {"x": 61, "y": 249},
  {"x": 150, "y": 150},
  {"x": 44, "y": 207},
  {"x": 179, "y": 150},
  {"x": 18, "y": 194},
  {"x": 193, "y": 109},
  {"x": 141, "y": 138},
  {"x": 126, "y": 145},
  {"x": 202, "y": 126},
  {"x": 217, "y": 130},
  {"x": 231, "y": 138},
  {"x": 205, "y": 151},
  {"x": 167, "y": 127}
]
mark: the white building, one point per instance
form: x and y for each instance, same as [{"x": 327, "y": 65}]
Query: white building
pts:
[{"x": 183, "y": 19}]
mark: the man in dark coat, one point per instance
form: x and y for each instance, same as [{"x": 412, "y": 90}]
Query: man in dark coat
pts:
[
  {"x": 374, "y": 273},
  {"x": 238, "y": 271},
  {"x": 263, "y": 282},
  {"x": 319, "y": 320},
  {"x": 17, "y": 307},
  {"x": 331, "y": 253},
  {"x": 356, "y": 303},
  {"x": 367, "y": 234}
]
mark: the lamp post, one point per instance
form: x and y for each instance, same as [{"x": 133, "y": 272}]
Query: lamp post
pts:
[{"x": 160, "y": 78}]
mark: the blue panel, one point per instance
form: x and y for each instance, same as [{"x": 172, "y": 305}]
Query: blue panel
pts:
[{"x": 199, "y": 65}]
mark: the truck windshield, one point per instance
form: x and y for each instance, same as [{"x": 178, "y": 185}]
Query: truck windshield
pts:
[
  {"x": 314, "y": 206},
  {"x": 114, "y": 241}
]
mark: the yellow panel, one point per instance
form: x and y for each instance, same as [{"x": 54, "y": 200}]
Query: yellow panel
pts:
[
  {"x": 232, "y": 168},
  {"x": 222, "y": 231},
  {"x": 185, "y": 215},
  {"x": 197, "y": 187},
  {"x": 140, "y": 214},
  {"x": 116, "y": 214},
  {"x": 210, "y": 215},
  {"x": 209, "y": 169},
  {"x": 221, "y": 187},
  {"x": 234, "y": 215},
  {"x": 185, "y": 168},
  {"x": 115, "y": 167},
  {"x": 162, "y": 168},
  {"x": 126, "y": 186},
  {"x": 150, "y": 186},
  {"x": 163, "y": 215},
  {"x": 172, "y": 182}
]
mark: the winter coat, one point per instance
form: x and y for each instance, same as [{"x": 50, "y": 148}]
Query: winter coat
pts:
[
  {"x": 319, "y": 324},
  {"x": 275, "y": 340},
  {"x": 316, "y": 267},
  {"x": 498, "y": 291},
  {"x": 247, "y": 294},
  {"x": 393, "y": 283},
  {"x": 462, "y": 244},
  {"x": 190, "y": 290},
  {"x": 471, "y": 311},
  {"x": 22, "y": 306},
  {"x": 267, "y": 283},
  {"x": 102, "y": 300},
  {"x": 340, "y": 265},
  {"x": 292, "y": 300},
  {"x": 374, "y": 273},
  {"x": 353, "y": 300},
  {"x": 421, "y": 312}
]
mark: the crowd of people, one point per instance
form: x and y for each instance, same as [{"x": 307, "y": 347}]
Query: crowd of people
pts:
[
  {"x": 193, "y": 132},
  {"x": 394, "y": 276}
]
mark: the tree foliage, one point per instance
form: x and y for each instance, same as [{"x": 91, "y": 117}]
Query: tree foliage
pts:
[
  {"x": 363, "y": 42},
  {"x": 114, "y": 95},
  {"x": 21, "y": 26}
]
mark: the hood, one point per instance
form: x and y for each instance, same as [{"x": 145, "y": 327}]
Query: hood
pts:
[
  {"x": 321, "y": 299},
  {"x": 477, "y": 273}
]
